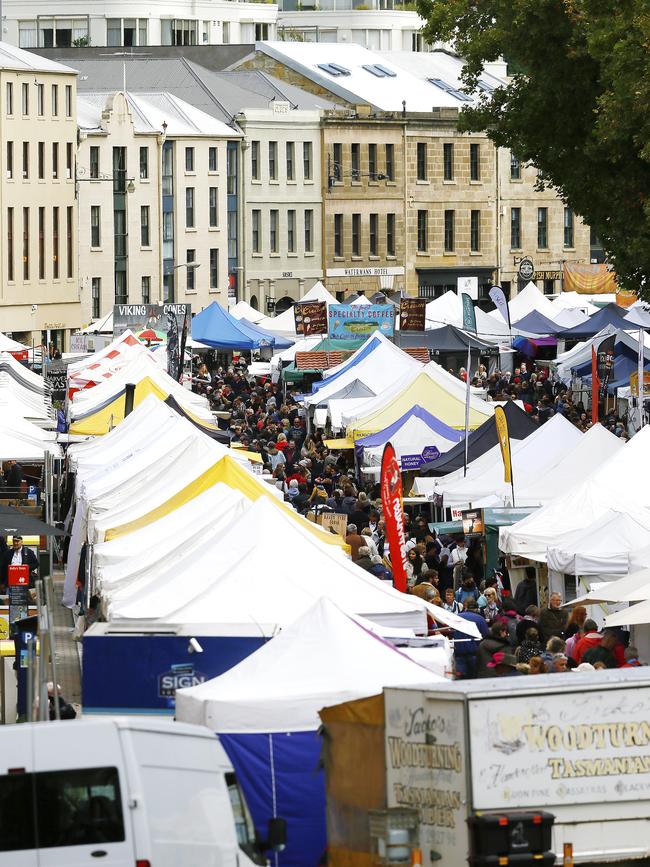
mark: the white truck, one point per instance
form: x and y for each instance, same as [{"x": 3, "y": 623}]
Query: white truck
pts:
[
  {"x": 122, "y": 793},
  {"x": 575, "y": 745}
]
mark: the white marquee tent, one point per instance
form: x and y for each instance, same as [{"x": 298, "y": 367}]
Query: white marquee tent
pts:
[
  {"x": 621, "y": 483},
  {"x": 539, "y": 486},
  {"x": 531, "y": 458},
  {"x": 322, "y": 658}
]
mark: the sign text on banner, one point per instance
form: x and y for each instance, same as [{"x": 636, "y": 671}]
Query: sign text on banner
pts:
[
  {"x": 351, "y": 321},
  {"x": 412, "y": 314},
  {"x": 310, "y": 317}
]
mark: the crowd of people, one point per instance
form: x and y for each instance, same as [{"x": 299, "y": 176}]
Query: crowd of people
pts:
[
  {"x": 542, "y": 394},
  {"x": 524, "y": 638},
  {"x": 517, "y": 636}
]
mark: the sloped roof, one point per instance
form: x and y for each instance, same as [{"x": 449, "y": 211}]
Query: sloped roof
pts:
[
  {"x": 360, "y": 82},
  {"x": 12, "y": 57},
  {"x": 323, "y": 658},
  {"x": 149, "y": 111}
]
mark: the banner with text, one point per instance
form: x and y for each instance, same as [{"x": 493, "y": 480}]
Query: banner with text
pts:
[
  {"x": 391, "y": 504},
  {"x": 412, "y": 314},
  {"x": 137, "y": 317},
  {"x": 310, "y": 317},
  {"x": 351, "y": 321}
]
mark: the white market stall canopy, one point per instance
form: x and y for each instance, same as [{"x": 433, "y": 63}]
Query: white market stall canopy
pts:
[
  {"x": 536, "y": 486},
  {"x": 604, "y": 547},
  {"x": 622, "y": 483},
  {"x": 321, "y": 659}
]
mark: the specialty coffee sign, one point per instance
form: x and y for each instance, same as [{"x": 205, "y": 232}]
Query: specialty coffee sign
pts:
[
  {"x": 311, "y": 317},
  {"x": 351, "y": 321},
  {"x": 412, "y": 314}
]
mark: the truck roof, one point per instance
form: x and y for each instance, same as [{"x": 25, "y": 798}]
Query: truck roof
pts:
[{"x": 581, "y": 681}]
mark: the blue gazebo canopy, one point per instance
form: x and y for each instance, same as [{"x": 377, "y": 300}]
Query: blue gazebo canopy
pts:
[
  {"x": 215, "y": 327},
  {"x": 277, "y": 340},
  {"x": 536, "y": 323},
  {"x": 610, "y": 315}
]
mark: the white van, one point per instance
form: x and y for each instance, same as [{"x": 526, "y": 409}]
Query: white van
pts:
[{"x": 121, "y": 793}]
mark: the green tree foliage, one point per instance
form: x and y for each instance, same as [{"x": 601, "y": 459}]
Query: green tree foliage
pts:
[{"x": 577, "y": 105}]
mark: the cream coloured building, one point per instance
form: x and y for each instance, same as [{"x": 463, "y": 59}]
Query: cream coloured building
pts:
[
  {"x": 535, "y": 224},
  {"x": 38, "y": 214},
  {"x": 153, "y": 176},
  {"x": 281, "y": 246}
]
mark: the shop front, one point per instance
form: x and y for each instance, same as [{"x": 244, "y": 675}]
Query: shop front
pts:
[{"x": 434, "y": 282}]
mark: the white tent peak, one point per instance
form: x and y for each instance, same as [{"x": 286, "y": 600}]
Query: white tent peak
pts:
[{"x": 324, "y": 657}]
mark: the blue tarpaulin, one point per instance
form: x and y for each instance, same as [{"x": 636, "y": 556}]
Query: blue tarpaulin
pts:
[
  {"x": 280, "y": 775},
  {"x": 370, "y": 346},
  {"x": 215, "y": 327},
  {"x": 277, "y": 340},
  {"x": 611, "y": 315},
  {"x": 536, "y": 323}
]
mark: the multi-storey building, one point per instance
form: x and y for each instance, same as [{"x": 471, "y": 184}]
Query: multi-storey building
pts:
[
  {"x": 67, "y": 23},
  {"x": 281, "y": 249},
  {"x": 38, "y": 214},
  {"x": 380, "y": 25},
  {"x": 456, "y": 208},
  {"x": 535, "y": 224},
  {"x": 364, "y": 203},
  {"x": 152, "y": 182}
]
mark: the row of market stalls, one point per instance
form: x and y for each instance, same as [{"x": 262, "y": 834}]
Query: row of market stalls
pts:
[
  {"x": 218, "y": 603},
  {"x": 27, "y": 419}
]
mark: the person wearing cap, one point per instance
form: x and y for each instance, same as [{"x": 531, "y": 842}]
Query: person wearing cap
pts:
[
  {"x": 502, "y": 664},
  {"x": 18, "y": 555}
]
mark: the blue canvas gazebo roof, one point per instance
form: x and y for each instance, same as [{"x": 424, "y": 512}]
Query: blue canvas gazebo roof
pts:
[
  {"x": 371, "y": 344},
  {"x": 536, "y": 323},
  {"x": 276, "y": 340},
  {"x": 215, "y": 327},
  {"x": 612, "y": 315}
]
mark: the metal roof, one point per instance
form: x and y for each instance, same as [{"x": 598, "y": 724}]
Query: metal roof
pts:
[
  {"x": 12, "y": 57},
  {"x": 149, "y": 111},
  {"x": 360, "y": 76},
  {"x": 442, "y": 66}
]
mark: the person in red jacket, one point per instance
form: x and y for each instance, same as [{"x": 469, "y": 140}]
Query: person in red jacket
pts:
[{"x": 591, "y": 638}]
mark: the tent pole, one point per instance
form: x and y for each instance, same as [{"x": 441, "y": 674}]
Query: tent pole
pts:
[
  {"x": 640, "y": 388},
  {"x": 467, "y": 396}
]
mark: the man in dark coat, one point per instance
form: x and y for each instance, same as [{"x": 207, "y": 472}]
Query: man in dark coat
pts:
[
  {"x": 18, "y": 555},
  {"x": 526, "y": 592},
  {"x": 14, "y": 474}
]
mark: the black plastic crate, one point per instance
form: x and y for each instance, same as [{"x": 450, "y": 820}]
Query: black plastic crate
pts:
[
  {"x": 545, "y": 859},
  {"x": 510, "y": 833}
]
